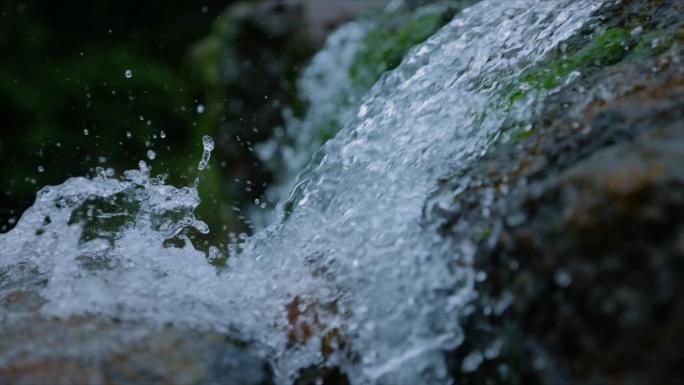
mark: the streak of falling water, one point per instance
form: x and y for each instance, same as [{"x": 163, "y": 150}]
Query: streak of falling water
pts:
[{"x": 378, "y": 291}]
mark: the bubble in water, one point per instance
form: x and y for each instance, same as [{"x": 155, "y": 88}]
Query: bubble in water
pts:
[
  {"x": 151, "y": 154},
  {"x": 128, "y": 74},
  {"x": 200, "y": 108}
]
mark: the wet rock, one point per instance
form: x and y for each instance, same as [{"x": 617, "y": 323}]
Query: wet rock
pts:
[
  {"x": 35, "y": 349},
  {"x": 580, "y": 229},
  {"x": 97, "y": 350}
]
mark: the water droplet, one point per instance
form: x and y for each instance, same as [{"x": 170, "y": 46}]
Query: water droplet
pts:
[
  {"x": 208, "y": 143},
  {"x": 471, "y": 362},
  {"x": 151, "y": 154},
  {"x": 128, "y": 134},
  {"x": 213, "y": 253},
  {"x": 101, "y": 172},
  {"x": 562, "y": 278},
  {"x": 162, "y": 134},
  {"x": 128, "y": 74},
  {"x": 85, "y": 131},
  {"x": 200, "y": 108},
  {"x": 41, "y": 169}
]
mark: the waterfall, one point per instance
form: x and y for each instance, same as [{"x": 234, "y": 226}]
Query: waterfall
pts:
[{"x": 353, "y": 276}]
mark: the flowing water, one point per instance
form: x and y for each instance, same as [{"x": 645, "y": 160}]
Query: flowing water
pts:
[
  {"x": 351, "y": 277},
  {"x": 325, "y": 85}
]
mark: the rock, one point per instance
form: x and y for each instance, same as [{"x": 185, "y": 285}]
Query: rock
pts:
[
  {"x": 97, "y": 350},
  {"x": 35, "y": 349},
  {"x": 580, "y": 229}
]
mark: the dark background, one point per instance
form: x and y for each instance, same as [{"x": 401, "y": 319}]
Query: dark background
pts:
[{"x": 62, "y": 72}]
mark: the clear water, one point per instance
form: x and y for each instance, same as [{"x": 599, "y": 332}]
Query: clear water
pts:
[
  {"x": 353, "y": 277},
  {"x": 327, "y": 89}
]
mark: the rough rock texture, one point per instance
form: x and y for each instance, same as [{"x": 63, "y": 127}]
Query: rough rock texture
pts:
[
  {"x": 94, "y": 351},
  {"x": 35, "y": 350},
  {"x": 579, "y": 229}
]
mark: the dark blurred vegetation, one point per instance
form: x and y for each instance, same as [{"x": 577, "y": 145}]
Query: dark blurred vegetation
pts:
[{"x": 62, "y": 73}]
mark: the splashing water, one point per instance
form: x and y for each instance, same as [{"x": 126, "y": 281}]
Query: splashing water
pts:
[{"x": 353, "y": 277}]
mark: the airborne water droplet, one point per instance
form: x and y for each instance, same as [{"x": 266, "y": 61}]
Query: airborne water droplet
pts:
[
  {"x": 41, "y": 169},
  {"x": 100, "y": 172},
  {"x": 208, "y": 144},
  {"x": 200, "y": 108},
  {"x": 151, "y": 154},
  {"x": 128, "y": 74}
]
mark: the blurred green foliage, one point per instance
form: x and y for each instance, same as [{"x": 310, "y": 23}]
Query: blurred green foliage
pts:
[{"x": 62, "y": 76}]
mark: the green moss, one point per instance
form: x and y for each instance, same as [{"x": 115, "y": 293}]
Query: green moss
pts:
[
  {"x": 608, "y": 48},
  {"x": 521, "y": 135},
  {"x": 384, "y": 46},
  {"x": 326, "y": 130},
  {"x": 653, "y": 44},
  {"x": 605, "y": 49},
  {"x": 484, "y": 234}
]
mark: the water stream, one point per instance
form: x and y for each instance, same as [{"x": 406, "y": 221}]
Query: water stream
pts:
[{"x": 352, "y": 277}]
